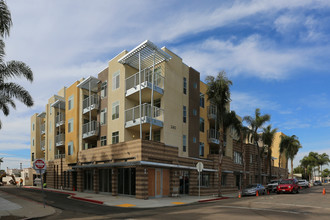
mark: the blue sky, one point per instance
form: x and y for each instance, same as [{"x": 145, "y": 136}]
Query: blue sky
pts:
[{"x": 275, "y": 52}]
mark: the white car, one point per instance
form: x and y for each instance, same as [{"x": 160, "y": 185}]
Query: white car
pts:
[{"x": 303, "y": 183}]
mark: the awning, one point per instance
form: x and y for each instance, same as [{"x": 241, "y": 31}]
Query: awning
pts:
[
  {"x": 89, "y": 83},
  {"x": 59, "y": 104},
  {"x": 41, "y": 115}
]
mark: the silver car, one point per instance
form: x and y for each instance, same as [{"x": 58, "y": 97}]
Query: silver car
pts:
[{"x": 252, "y": 190}]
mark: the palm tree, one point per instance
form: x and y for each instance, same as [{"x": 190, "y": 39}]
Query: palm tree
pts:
[
  {"x": 255, "y": 123},
  {"x": 11, "y": 69},
  {"x": 292, "y": 149},
  {"x": 267, "y": 138},
  {"x": 323, "y": 160},
  {"x": 307, "y": 165},
  {"x": 218, "y": 93}
]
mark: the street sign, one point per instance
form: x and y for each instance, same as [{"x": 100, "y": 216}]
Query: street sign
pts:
[
  {"x": 40, "y": 166},
  {"x": 199, "y": 167}
]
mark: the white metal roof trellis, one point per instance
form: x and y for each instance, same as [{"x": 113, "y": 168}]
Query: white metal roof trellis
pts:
[
  {"x": 89, "y": 83},
  {"x": 146, "y": 51}
]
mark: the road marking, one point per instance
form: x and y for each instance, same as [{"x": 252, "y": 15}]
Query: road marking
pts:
[
  {"x": 126, "y": 205},
  {"x": 178, "y": 203},
  {"x": 285, "y": 204},
  {"x": 259, "y": 209}
]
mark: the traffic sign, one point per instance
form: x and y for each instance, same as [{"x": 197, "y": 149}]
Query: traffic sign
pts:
[
  {"x": 199, "y": 167},
  {"x": 40, "y": 166}
]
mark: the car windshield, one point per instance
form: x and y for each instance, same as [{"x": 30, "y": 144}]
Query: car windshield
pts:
[
  {"x": 301, "y": 180},
  {"x": 252, "y": 186},
  {"x": 274, "y": 181},
  {"x": 286, "y": 182}
]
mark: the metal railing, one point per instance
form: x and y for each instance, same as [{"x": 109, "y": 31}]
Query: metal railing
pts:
[
  {"x": 59, "y": 156},
  {"x": 42, "y": 128},
  {"x": 212, "y": 111},
  {"x": 134, "y": 113},
  {"x": 146, "y": 76},
  {"x": 213, "y": 134},
  {"x": 59, "y": 139},
  {"x": 59, "y": 119},
  {"x": 91, "y": 100},
  {"x": 90, "y": 128},
  {"x": 42, "y": 145}
]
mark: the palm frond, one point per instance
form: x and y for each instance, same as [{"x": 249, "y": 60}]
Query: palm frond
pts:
[
  {"x": 2, "y": 49},
  {"x": 16, "y": 69},
  {"x": 13, "y": 90},
  {"x": 5, "y": 19}
]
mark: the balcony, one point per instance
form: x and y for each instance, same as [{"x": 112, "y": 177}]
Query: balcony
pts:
[
  {"x": 91, "y": 103},
  {"x": 132, "y": 117},
  {"x": 42, "y": 129},
  {"x": 59, "y": 156},
  {"x": 60, "y": 140},
  {"x": 133, "y": 86},
  {"x": 59, "y": 120},
  {"x": 213, "y": 136},
  {"x": 90, "y": 129},
  {"x": 42, "y": 145},
  {"x": 212, "y": 112}
]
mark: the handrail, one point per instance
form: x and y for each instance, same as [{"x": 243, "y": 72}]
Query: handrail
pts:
[
  {"x": 91, "y": 100},
  {"x": 134, "y": 113},
  {"x": 59, "y": 118},
  {"x": 90, "y": 126},
  {"x": 146, "y": 76},
  {"x": 212, "y": 133}
]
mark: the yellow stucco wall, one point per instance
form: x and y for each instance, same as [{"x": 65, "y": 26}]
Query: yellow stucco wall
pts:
[{"x": 276, "y": 150}]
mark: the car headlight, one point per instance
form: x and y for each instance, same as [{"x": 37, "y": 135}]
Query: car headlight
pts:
[{"x": 289, "y": 187}]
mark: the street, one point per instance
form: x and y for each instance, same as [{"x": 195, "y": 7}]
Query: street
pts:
[{"x": 308, "y": 204}]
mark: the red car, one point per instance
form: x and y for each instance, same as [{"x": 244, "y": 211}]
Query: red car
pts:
[{"x": 288, "y": 185}]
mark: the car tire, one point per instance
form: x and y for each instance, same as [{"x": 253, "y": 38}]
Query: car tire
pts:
[
  {"x": 278, "y": 192},
  {"x": 297, "y": 191}
]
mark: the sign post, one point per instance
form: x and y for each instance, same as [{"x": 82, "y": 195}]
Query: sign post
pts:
[
  {"x": 39, "y": 166},
  {"x": 199, "y": 167}
]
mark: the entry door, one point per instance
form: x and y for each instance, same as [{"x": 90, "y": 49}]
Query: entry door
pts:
[
  {"x": 238, "y": 181},
  {"x": 158, "y": 183}
]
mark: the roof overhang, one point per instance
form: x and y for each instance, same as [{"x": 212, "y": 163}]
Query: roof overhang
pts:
[
  {"x": 89, "y": 83},
  {"x": 148, "y": 53},
  {"x": 41, "y": 115},
  {"x": 59, "y": 104}
]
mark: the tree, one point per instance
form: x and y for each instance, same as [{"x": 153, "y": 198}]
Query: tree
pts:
[
  {"x": 11, "y": 69},
  {"x": 323, "y": 159},
  {"x": 218, "y": 93},
  {"x": 292, "y": 148},
  {"x": 255, "y": 123},
  {"x": 307, "y": 165},
  {"x": 268, "y": 138},
  {"x": 325, "y": 173}
]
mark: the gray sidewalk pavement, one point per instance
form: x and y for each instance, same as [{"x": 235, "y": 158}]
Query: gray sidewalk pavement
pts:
[
  {"x": 128, "y": 201},
  {"x": 11, "y": 205}
]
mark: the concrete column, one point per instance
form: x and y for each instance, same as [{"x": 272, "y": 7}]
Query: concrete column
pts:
[
  {"x": 96, "y": 180},
  {"x": 141, "y": 184},
  {"x": 114, "y": 181},
  {"x": 80, "y": 180},
  {"x": 174, "y": 182}
]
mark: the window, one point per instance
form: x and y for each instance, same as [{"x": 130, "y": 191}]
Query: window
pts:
[
  {"x": 147, "y": 136},
  {"x": 115, "y": 137},
  {"x": 115, "y": 80},
  {"x": 184, "y": 85},
  {"x": 194, "y": 139},
  {"x": 201, "y": 100},
  {"x": 50, "y": 110},
  {"x": 32, "y": 157},
  {"x": 70, "y": 125},
  {"x": 157, "y": 135},
  {"x": 32, "y": 126},
  {"x": 237, "y": 157},
  {"x": 204, "y": 180},
  {"x": 251, "y": 158},
  {"x": 201, "y": 149},
  {"x": 194, "y": 112},
  {"x": 184, "y": 114},
  {"x": 103, "y": 116},
  {"x": 115, "y": 110},
  {"x": 223, "y": 179},
  {"x": 104, "y": 86},
  {"x": 184, "y": 143},
  {"x": 201, "y": 124},
  {"x": 103, "y": 140},
  {"x": 32, "y": 141},
  {"x": 70, "y": 148},
  {"x": 50, "y": 145},
  {"x": 195, "y": 85},
  {"x": 70, "y": 102}
]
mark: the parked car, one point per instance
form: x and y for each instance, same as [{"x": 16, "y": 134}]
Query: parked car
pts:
[
  {"x": 303, "y": 183},
  {"x": 317, "y": 183},
  {"x": 288, "y": 186},
  {"x": 272, "y": 186},
  {"x": 252, "y": 189}
]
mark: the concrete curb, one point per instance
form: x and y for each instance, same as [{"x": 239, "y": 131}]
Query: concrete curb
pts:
[{"x": 215, "y": 199}]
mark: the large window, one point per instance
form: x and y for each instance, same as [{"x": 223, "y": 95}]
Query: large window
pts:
[
  {"x": 104, "y": 86},
  {"x": 204, "y": 180},
  {"x": 70, "y": 102},
  {"x": 70, "y": 148},
  {"x": 32, "y": 157},
  {"x": 115, "y": 80},
  {"x": 194, "y": 112},
  {"x": 103, "y": 140},
  {"x": 201, "y": 149},
  {"x": 115, "y": 137},
  {"x": 184, "y": 143},
  {"x": 201, "y": 124},
  {"x": 201, "y": 100},
  {"x": 115, "y": 110},
  {"x": 223, "y": 179},
  {"x": 70, "y": 125},
  {"x": 32, "y": 126},
  {"x": 103, "y": 116},
  {"x": 184, "y": 114},
  {"x": 184, "y": 85},
  {"x": 238, "y": 157},
  {"x": 157, "y": 135}
]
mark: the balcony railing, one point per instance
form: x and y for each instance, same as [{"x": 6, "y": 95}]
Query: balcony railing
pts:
[
  {"x": 59, "y": 156},
  {"x": 213, "y": 136},
  {"x": 60, "y": 120},
  {"x": 212, "y": 112},
  {"x": 42, "y": 145},
  {"x": 60, "y": 140},
  {"x": 91, "y": 103},
  {"x": 132, "y": 115},
  {"x": 90, "y": 129},
  {"x": 42, "y": 129},
  {"x": 132, "y": 82}
]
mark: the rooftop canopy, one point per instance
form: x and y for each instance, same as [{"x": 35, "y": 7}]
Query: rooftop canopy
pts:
[
  {"x": 59, "y": 104},
  {"x": 42, "y": 114},
  {"x": 89, "y": 83},
  {"x": 146, "y": 51}
]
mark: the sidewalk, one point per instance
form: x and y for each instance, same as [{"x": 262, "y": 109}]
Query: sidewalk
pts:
[
  {"x": 127, "y": 201},
  {"x": 11, "y": 205}
]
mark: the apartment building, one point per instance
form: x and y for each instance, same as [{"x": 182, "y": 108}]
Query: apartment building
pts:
[{"x": 139, "y": 128}]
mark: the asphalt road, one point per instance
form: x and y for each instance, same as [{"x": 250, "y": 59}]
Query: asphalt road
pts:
[{"x": 308, "y": 204}]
